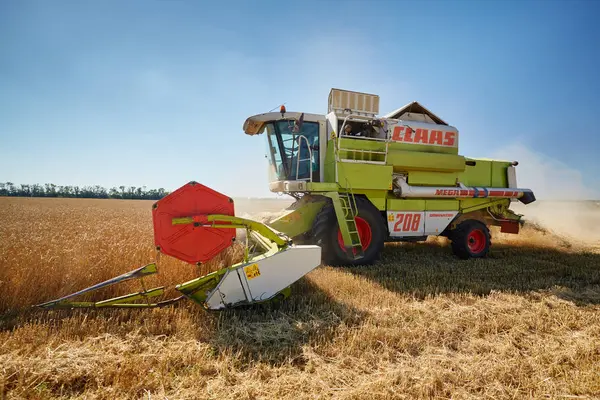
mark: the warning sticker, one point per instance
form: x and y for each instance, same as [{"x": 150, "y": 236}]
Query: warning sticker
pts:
[{"x": 252, "y": 271}]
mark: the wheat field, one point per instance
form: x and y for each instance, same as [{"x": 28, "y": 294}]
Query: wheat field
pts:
[{"x": 524, "y": 323}]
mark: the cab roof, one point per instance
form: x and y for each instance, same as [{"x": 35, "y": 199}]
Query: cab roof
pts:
[{"x": 255, "y": 124}]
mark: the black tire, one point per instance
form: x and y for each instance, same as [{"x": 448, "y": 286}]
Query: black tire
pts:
[
  {"x": 325, "y": 234},
  {"x": 471, "y": 239}
]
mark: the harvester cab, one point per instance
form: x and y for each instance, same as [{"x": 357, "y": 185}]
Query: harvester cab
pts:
[{"x": 293, "y": 144}]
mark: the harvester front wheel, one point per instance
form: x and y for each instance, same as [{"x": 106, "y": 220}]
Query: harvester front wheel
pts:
[
  {"x": 371, "y": 229},
  {"x": 471, "y": 239}
]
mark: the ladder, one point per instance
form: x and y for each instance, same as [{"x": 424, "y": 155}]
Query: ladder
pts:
[{"x": 346, "y": 210}]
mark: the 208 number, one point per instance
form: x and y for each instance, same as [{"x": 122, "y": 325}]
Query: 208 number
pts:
[{"x": 407, "y": 222}]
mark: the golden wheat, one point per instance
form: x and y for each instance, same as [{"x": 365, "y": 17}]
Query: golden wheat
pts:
[{"x": 524, "y": 323}]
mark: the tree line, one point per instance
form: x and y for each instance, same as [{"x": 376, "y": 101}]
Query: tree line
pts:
[{"x": 85, "y": 192}]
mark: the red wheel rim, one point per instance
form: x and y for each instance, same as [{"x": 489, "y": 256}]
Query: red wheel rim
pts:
[
  {"x": 364, "y": 232},
  {"x": 476, "y": 241}
]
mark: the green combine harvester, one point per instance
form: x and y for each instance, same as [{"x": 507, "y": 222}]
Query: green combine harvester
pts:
[
  {"x": 362, "y": 180},
  {"x": 359, "y": 180}
]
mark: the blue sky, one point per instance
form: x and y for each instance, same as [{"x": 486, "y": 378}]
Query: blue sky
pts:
[{"x": 155, "y": 93}]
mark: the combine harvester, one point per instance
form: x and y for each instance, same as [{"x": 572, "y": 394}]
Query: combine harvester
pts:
[{"x": 359, "y": 180}]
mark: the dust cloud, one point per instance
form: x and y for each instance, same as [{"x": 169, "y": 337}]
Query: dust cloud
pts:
[
  {"x": 578, "y": 222},
  {"x": 565, "y": 205},
  {"x": 262, "y": 210}
]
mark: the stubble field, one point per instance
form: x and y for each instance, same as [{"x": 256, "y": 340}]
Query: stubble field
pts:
[{"x": 524, "y": 323}]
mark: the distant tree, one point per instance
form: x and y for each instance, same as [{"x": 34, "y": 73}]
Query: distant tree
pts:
[
  {"x": 100, "y": 192},
  {"x": 131, "y": 192},
  {"x": 25, "y": 191},
  {"x": 114, "y": 193},
  {"x": 50, "y": 190},
  {"x": 37, "y": 190},
  {"x": 10, "y": 187},
  {"x": 152, "y": 194}
]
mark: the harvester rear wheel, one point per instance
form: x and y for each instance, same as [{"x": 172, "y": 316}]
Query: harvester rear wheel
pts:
[
  {"x": 471, "y": 239},
  {"x": 371, "y": 227}
]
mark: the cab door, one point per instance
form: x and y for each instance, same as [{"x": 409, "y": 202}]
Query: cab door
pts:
[{"x": 300, "y": 150}]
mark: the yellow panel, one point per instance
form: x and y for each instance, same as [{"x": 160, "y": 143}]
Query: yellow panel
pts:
[
  {"x": 477, "y": 175},
  {"x": 424, "y": 160},
  {"x": 405, "y": 205},
  {"x": 378, "y": 202},
  {"x": 499, "y": 177},
  {"x": 441, "y": 205},
  {"x": 365, "y": 176},
  {"x": 424, "y": 178}
]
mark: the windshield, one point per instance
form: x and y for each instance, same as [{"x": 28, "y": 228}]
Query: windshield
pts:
[{"x": 293, "y": 155}]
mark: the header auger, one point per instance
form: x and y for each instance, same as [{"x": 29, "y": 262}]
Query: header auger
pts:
[{"x": 359, "y": 179}]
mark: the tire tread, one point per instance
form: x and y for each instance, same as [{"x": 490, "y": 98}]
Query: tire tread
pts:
[{"x": 459, "y": 236}]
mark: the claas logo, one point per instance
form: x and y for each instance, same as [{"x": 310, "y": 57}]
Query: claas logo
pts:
[{"x": 406, "y": 134}]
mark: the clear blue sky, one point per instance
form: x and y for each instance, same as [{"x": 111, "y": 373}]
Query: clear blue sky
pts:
[{"x": 155, "y": 92}]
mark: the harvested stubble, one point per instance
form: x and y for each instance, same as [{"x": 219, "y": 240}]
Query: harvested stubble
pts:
[{"x": 421, "y": 324}]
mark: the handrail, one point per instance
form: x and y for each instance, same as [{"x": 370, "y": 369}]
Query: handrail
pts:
[
  {"x": 340, "y": 135},
  {"x": 299, "y": 160},
  {"x": 364, "y": 138}
]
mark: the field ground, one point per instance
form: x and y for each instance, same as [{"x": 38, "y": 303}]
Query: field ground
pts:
[{"x": 524, "y": 323}]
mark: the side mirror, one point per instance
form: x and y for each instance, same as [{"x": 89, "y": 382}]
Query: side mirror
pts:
[{"x": 298, "y": 123}]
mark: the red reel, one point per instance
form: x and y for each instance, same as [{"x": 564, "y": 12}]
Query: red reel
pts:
[{"x": 189, "y": 243}]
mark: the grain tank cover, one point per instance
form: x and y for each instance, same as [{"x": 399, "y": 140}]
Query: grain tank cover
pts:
[
  {"x": 345, "y": 102},
  {"x": 415, "y": 112}
]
